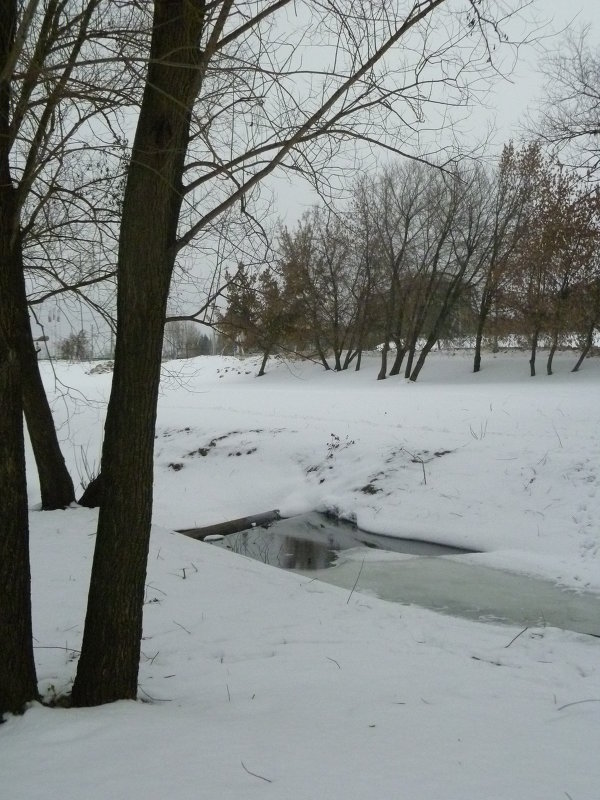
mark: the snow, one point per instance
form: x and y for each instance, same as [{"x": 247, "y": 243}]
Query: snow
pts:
[{"x": 255, "y": 682}]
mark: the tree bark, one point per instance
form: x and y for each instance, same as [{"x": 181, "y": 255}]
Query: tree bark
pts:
[
  {"x": 18, "y": 683},
  {"x": 109, "y": 662}
]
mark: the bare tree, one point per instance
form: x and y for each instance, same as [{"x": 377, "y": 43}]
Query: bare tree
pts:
[
  {"x": 513, "y": 190},
  {"x": 569, "y": 118}
]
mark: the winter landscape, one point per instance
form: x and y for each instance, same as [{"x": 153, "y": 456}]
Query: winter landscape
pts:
[
  {"x": 299, "y": 400},
  {"x": 255, "y": 681}
]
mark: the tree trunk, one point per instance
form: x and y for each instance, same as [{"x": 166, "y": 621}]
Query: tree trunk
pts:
[
  {"x": 534, "y": 344},
  {"x": 55, "y": 482},
  {"x": 411, "y": 357},
  {"x": 263, "y": 365},
  {"x": 358, "y": 360},
  {"x": 384, "y": 356},
  {"x": 109, "y": 662},
  {"x": 431, "y": 340},
  {"x": 322, "y": 356},
  {"x": 397, "y": 365},
  {"x": 479, "y": 339},
  {"x": 18, "y": 683},
  {"x": 92, "y": 494},
  {"x": 589, "y": 340},
  {"x": 553, "y": 349},
  {"x": 349, "y": 358}
]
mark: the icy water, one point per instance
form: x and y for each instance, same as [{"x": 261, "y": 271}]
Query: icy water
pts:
[{"x": 429, "y": 575}]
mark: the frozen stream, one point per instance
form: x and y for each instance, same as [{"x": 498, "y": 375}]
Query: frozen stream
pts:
[{"x": 412, "y": 572}]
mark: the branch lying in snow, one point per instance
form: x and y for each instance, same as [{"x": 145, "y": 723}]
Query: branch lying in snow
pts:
[
  {"x": 268, "y": 780},
  {"x": 579, "y": 702},
  {"x": 514, "y": 639},
  {"x": 356, "y": 581}
]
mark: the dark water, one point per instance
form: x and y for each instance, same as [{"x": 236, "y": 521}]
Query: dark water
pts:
[
  {"x": 314, "y": 541},
  {"x": 431, "y": 576}
]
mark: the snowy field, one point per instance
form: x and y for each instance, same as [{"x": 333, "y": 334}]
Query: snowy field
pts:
[{"x": 260, "y": 683}]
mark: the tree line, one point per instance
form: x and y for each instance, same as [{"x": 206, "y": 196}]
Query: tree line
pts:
[{"x": 422, "y": 254}]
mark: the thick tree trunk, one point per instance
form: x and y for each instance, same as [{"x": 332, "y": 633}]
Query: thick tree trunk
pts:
[
  {"x": 108, "y": 666},
  {"x": 534, "y": 344},
  {"x": 18, "y": 683},
  {"x": 55, "y": 482}
]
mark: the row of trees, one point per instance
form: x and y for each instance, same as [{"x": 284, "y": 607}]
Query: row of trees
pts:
[
  {"x": 222, "y": 99},
  {"x": 423, "y": 254}
]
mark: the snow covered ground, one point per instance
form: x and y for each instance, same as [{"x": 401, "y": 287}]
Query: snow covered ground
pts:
[{"x": 264, "y": 683}]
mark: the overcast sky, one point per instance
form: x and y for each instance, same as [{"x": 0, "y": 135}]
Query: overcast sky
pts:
[
  {"x": 524, "y": 86},
  {"x": 505, "y": 108}
]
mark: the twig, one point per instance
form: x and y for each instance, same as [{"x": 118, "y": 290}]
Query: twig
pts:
[
  {"x": 334, "y": 661},
  {"x": 514, "y": 639},
  {"x": 556, "y": 432},
  {"x": 356, "y": 581},
  {"x": 154, "y": 699},
  {"x": 262, "y": 777},
  {"x": 182, "y": 627},
  {"x": 579, "y": 702}
]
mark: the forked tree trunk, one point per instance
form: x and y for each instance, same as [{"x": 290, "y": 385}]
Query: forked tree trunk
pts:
[
  {"x": 108, "y": 666},
  {"x": 18, "y": 684},
  {"x": 397, "y": 365}
]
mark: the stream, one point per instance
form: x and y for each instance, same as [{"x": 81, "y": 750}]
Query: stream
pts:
[{"x": 409, "y": 571}]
